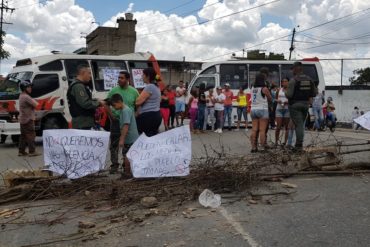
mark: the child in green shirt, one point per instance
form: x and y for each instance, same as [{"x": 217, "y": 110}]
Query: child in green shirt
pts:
[{"x": 129, "y": 132}]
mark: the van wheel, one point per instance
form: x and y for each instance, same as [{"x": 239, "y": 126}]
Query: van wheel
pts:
[
  {"x": 15, "y": 139},
  {"x": 52, "y": 123}
]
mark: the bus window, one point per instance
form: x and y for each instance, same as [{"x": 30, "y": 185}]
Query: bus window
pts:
[
  {"x": 52, "y": 66},
  {"x": 9, "y": 88},
  {"x": 235, "y": 74},
  {"x": 273, "y": 70},
  {"x": 71, "y": 68},
  {"x": 99, "y": 67},
  {"x": 140, "y": 65},
  {"x": 209, "y": 71},
  {"x": 308, "y": 69},
  {"x": 44, "y": 84},
  {"x": 210, "y": 82}
]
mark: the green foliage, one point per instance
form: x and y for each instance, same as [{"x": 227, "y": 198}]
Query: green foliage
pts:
[
  {"x": 3, "y": 53},
  {"x": 361, "y": 77}
]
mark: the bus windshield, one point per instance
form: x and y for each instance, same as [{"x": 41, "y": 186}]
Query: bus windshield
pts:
[{"x": 9, "y": 88}]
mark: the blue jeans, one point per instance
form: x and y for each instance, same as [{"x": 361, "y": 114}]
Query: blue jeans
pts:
[
  {"x": 200, "y": 118},
  {"x": 317, "y": 112},
  {"x": 331, "y": 116},
  {"x": 227, "y": 114}
]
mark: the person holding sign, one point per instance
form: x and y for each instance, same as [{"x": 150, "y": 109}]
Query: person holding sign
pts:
[
  {"x": 80, "y": 102},
  {"x": 129, "y": 133},
  {"x": 129, "y": 95},
  {"x": 149, "y": 118}
]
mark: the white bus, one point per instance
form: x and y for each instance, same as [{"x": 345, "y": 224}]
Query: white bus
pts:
[
  {"x": 51, "y": 76},
  {"x": 242, "y": 73}
]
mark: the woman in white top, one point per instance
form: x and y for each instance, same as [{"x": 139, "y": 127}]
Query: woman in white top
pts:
[
  {"x": 282, "y": 112},
  {"x": 259, "y": 112}
]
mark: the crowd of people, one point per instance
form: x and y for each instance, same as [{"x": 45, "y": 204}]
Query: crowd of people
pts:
[{"x": 130, "y": 113}]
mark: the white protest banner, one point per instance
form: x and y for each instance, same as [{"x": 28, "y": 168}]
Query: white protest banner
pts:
[
  {"x": 75, "y": 153},
  {"x": 164, "y": 155},
  {"x": 137, "y": 76},
  {"x": 364, "y": 120},
  {"x": 110, "y": 78}
]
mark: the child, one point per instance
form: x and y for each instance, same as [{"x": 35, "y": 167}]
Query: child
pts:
[
  {"x": 219, "y": 109},
  {"x": 193, "y": 110},
  {"x": 129, "y": 132},
  {"x": 165, "y": 108}
]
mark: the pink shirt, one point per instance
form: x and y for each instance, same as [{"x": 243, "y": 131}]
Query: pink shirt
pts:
[
  {"x": 27, "y": 107},
  {"x": 229, "y": 98}
]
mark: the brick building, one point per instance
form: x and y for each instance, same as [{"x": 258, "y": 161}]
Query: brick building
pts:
[{"x": 113, "y": 40}]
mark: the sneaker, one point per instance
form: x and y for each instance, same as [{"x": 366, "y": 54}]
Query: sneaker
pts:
[
  {"x": 216, "y": 131},
  {"x": 220, "y": 131},
  {"x": 33, "y": 154},
  {"x": 22, "y": 154},
  {"x": 246, "y": 129}
]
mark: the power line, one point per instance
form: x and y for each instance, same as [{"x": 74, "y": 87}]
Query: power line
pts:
[
  {"x": 211, "y": 20},
  {"x": 285, "y": 36}
]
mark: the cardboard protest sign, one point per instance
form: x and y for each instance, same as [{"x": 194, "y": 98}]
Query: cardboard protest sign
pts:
[
  {"x": 75, "y": 153},
  {"x": 364, "y": 120},
  {"x": 137, "y": 76},
  {"x": 164, "y": 155},
  {"x": 110, "y": 78}
]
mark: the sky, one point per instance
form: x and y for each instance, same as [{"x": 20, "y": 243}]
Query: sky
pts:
[{"x": 200, "y": 30}]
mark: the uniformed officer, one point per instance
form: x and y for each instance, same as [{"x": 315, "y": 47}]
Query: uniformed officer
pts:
[
  {"x": 81, "y": 105},
  {"x": 301, "y": 90}
]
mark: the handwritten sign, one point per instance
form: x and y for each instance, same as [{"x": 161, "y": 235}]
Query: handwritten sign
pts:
[
  {"x": 75, "y": 153},
  {"x": 364, "y": 120},
  {"x": 110, "y": 78},
  {"x": 165, "y": 155},
  {"x": 137, "y": 76}
]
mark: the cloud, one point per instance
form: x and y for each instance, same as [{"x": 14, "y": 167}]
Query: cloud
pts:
[{"x": 204, "y": 34}]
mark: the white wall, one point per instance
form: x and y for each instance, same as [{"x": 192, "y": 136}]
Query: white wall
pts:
[{"x": 345, "y": 102}]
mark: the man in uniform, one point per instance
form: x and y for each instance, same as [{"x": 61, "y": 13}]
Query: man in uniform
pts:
[
  {"x": 81, "y": 105},
  {"x": 129, "y": 95},
  {"x": 301, "y": 90}
]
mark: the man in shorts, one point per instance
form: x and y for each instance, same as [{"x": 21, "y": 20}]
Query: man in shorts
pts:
[{"x": 180, "y": 103}]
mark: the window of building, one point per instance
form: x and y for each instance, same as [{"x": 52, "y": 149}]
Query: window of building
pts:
[
  {"x": 71, "y": 68},
  {"x": 273, "y": 73},
  {"x": 44, "y": 84},
  {"x": 109, "y": 68},
  {"x": 52, "y": 66},
  {"x": 234, "y": 74}
]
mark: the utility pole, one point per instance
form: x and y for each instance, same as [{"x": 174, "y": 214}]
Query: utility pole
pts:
[
  {"x": 292, "y": 45},
  {"x": 3, "y": 7}
]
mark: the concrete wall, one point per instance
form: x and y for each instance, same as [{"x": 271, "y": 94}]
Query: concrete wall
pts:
[{"x": 345, "y": 102}]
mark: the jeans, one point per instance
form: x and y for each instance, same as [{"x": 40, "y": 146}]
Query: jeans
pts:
[
  {"x": 331, "y": 116},
  {"x": 317, "y": 112},
  {"x": 201, "y": 113},
  {"x": 298, "y": 113},
  {"x": 219, "y": 119},
  {"x": 242, "y": 111},
  {"x": 210, "y": 114},
  {"x": 227, "y": 114}
]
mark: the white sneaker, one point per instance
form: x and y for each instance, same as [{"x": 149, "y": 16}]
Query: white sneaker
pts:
[
  {"x": 246, "y": 129},
  {"x": 220, "y": 131},
  {"x": 216, "y": 131}
]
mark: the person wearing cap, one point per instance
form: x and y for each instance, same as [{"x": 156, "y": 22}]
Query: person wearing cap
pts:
[
  {"x": 301, "y": 90},
  {"x": 219, "y": 109},
  {"x": 228, "y": 104},
  {"x": 27, "y": 106}
]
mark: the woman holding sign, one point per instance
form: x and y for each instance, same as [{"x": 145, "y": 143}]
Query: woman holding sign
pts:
[{"x": 148, "y": 103}]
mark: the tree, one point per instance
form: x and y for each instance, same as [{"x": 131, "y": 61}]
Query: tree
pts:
[
  {"x": 3, "y": 53},
  {"x": 361, "y": 76}
]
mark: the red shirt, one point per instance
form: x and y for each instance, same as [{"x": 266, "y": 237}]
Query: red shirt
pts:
[
  {"x": 229, "y": 97},
  {"x": 171, "y": 97}
]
